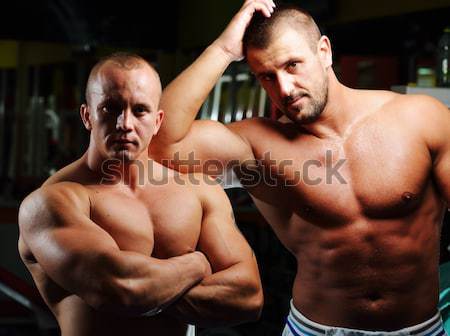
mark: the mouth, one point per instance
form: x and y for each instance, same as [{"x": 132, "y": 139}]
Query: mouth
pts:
[
  {"x": 297, "y": 100},
  {"x": 124, "y": 142}
]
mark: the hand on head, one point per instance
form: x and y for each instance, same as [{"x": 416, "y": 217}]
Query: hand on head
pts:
[{"x": 231, "y": 39}]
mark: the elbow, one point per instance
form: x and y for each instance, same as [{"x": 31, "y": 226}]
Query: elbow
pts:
[
  {"x": 254, "y": 303},
  {"x": 249, "y": 307},
  {"x": 252, "y": 297}
]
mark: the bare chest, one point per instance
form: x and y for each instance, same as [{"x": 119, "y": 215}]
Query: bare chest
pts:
[
  {"x": 159, "y": 222},
  {"x": 375, "y": 174}
]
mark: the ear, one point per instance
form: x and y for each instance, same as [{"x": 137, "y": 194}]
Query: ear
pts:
[
  {"x": 158, "y": 121},
  {"x": 85, "y": 116},
  {"x": 324, "y": 51}
]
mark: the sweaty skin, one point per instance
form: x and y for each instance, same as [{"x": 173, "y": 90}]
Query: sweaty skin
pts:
[
  {"x": 366, "y": 238},
  {"x": 107, "y": 243}
]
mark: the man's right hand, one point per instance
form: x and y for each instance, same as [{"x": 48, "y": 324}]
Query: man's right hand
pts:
[
  {"x": 230, "y": 41},
  {"x": 180, "y": 135}
]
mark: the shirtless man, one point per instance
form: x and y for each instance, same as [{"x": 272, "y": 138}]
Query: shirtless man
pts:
[
  {"x": 111, "y": 239},
  {"x": 366, "y": 240}
]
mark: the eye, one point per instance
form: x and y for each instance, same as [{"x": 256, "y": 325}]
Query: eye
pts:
[
  {"x": 267, "y": 77},
  {"x": 111, "y": 108},
  {"x": 140, "y": 109},
  {"x": 292, "y": 65}
]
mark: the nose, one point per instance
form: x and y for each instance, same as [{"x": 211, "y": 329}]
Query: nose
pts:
[
  {"x": 285, "y": 88},
  {"x": 125, "y": 120}
]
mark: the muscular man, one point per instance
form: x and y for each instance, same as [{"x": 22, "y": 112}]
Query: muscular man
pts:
[
  {"x": 111, "y": 239},
  {"x": 362, "y": 178}
]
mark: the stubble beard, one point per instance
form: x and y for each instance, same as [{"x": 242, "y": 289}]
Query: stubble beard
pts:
[{"x": 312, "y": 111}]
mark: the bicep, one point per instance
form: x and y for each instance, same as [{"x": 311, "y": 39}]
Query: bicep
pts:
[
  {"x": 209, "y": 147},
  {"x": 71, "y": 249},
  {"x": 62, "y": 238},
  {"x": 220, "y": 239}
]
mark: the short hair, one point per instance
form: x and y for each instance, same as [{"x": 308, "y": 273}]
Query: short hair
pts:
[
  {"x": 260, "y": 30},
  {"x": 124, "y": 60}
]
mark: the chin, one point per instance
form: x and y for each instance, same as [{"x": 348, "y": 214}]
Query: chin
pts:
[
  {"x": 298, "y": 117},
  {"x": 123, "y": 155},
  {"x": 307, "y": 117}
]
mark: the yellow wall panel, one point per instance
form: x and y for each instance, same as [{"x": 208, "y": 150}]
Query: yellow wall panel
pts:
[{"x": 8, "y": 54}]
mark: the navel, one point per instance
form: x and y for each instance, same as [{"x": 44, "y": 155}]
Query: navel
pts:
[
  {"x": 374, "y": 296},
  {"x": 307, "y": 209},
  {"x": 407, "y": 197}
]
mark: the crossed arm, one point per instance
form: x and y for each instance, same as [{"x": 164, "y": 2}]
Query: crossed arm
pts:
[
  {"x": 232, "y": 293},
  {"x": 85, "y": 260}
]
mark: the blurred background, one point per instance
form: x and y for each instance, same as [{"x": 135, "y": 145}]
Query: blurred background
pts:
[{"x": 47, "y": 48}]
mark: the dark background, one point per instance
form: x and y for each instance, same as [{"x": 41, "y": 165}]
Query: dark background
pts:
[{"x": 48, "y": 47}]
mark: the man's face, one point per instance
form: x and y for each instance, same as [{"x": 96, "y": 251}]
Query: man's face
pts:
[
  {"x": 293, "y": 75},
  {"x": 123, "y": 111}
]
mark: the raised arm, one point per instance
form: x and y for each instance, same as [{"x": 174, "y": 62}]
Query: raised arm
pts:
[
  {"x": 85, "y": 260},
  {"x": 182, "y": 99},
  {"x": 232, "y": 294}
]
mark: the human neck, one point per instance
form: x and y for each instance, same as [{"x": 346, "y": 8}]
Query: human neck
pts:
[
  {"x": 339, "y": 113},
  {"x": 132, "y": 174}
]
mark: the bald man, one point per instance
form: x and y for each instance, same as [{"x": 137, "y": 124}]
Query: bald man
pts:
[
  {"x": 120, "y": 245},
  {"x": 355, "y": 185}
]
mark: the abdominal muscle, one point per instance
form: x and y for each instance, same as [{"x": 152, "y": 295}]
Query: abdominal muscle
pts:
[{"x": 371, "y": 275}]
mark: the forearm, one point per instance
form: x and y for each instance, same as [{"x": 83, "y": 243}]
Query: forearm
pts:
[
  {"x": 133, "y": 284},
  {"x": 228, "y": 297},
  {"x": 183, "y": 97}
]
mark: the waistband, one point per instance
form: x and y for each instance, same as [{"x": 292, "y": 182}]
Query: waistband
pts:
[
  {"x": 190, "y": 331},
  {"x": 300, "y": 325}
]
